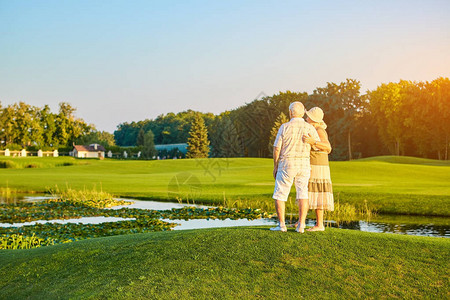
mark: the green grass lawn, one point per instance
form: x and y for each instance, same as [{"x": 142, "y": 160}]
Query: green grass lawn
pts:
[
  {"x": 399, "y": 185},
  {"x": 234, "y": 263}
]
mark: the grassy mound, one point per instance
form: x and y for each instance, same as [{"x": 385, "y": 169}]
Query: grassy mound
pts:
[
  {"x": 235, "y": 263},
  {"x": 407, "y": 160}
]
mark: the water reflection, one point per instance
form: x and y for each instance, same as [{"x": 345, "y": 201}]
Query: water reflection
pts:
[
  {"x": 204, "y": 223},
  {"x": 410, "y": 229},
  {"x": 14, "y": 198},
  {"x": 155, "y": 205},
  {"x": 83, "y": 220}
]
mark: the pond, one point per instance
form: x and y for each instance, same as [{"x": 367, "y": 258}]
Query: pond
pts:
[
  {"x": 411, "y": 225},
  {"x": 388, "y": 226}
]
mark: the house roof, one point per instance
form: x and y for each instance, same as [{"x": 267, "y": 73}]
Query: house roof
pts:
[{"x": 89, "y": 148}]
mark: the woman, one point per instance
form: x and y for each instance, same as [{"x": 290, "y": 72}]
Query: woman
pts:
[{"x": 320, "y": 191}]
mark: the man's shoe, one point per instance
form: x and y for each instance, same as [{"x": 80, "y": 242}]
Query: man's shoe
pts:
[
  {"x": 300, "y": 229},
  {"x": 279, "y": 228}
]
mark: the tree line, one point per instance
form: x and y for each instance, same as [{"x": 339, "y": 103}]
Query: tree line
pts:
[
  {"x": 413, "y": 118},
  {"x": 404, "y": 118},
  {"x": 26, "y": 126}
]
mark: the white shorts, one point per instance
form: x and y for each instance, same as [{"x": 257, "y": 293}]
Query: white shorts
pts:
[{"x": 289, "y": 173}]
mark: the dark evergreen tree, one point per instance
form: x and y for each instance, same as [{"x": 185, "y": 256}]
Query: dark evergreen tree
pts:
[
  {"x": 215, "y": 134},
  {"x": 231, "y": 145},
  {"x": 140, "y": 137},
  {"x": 198, "y": 143},
  {"x": 148, "y": 147}
]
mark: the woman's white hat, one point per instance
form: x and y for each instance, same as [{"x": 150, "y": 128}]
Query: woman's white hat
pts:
[{"x": 315, "y": 114}]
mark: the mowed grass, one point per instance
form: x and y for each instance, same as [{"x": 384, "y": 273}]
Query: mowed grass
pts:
[
  {"x": 233, "y": 263},
  {"x": 399, "y": 185}
]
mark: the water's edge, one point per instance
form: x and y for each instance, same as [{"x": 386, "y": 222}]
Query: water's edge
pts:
[{"x": 410, "y": 225}]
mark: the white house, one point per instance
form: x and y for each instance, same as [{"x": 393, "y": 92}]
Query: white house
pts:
[{"x": 91, "y": 151}]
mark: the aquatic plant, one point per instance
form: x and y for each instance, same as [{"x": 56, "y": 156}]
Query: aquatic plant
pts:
[
  {"x": 20, "y": 241},
  {"x": 64, "y": 233},
  {"x": 222, "y": 213},
  {"x": 6, "y": 192},
  {"x": 261, "y": 204},
  {"x": 91, "y": 198},
  {"x": 345, "y": 212}
]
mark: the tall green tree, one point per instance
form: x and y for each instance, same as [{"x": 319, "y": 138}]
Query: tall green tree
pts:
[
  {"x": 341, "y": 104},
  {"x": 198, "y": 143},
  {"x": 36, "y": 131},
  {"x": 148, "y": 146},
  {"x": 440, "y": 93},
  {"x": 26, "y": 125},
  {"x": 126, "y": 133},
  {"x": 252, "y": 121},
  {"x": 231, "y": 145},
  {"x": 427, "y": 117},
  {"x": 387, "y": 103},
  {"x": 9, "y": 131},
  {"x": 23, "y": 118},
  {"x": 215, "y": 134},
  {"x": 103, "y": 138},
  {"x": 140, "y": 137},
  {"x": 366, "y": 141},
  {"x": 48, "y": 125},
  {"x": 68, "y": 127}
]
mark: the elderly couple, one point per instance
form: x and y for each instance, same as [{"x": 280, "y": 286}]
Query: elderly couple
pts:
[{"x": 300, "y": 156}]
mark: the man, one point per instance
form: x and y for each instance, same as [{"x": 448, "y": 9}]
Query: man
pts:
[{"x": 291, "y": 164}]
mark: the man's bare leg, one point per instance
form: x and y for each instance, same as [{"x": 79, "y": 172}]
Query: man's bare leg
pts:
[
  {"x": 280, "y": 207},
  {"x": 303, "y": 206}
]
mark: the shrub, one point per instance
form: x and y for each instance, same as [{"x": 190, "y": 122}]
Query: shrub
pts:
[
  {"x": 32, "y": 166},
  {"x": 13, "y": 147},
  {"x": 7, "y": 164}
]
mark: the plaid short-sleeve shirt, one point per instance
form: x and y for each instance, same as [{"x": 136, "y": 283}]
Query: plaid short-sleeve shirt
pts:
[{"x": 289, "y": 140}]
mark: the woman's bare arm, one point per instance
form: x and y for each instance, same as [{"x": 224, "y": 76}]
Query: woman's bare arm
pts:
[{"x": 323, "y": 145}]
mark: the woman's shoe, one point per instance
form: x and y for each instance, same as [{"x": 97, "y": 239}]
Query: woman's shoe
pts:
[{"x": 300, "y": 229}]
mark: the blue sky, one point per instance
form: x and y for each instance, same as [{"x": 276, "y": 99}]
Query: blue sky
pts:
[{"x": 119, "y": 61}]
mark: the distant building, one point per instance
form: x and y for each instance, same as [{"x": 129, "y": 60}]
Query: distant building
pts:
[
  {"x": 169, "y": 147},
  {"x": 91, "y": 151}
]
